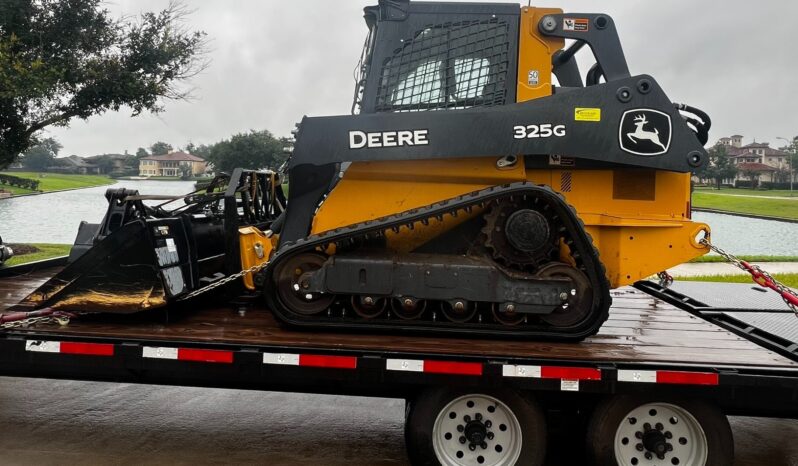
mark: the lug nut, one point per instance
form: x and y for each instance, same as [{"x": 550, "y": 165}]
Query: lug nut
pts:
[
  {"x": 639, "y": 447},
  {"x": 649, "y": 456},
  {"x": 478, "y": 416},
  {"x": 490, "y": 435},
  {"x": 659, "y": 426},
  {"x": 462, "y": 439},
  {"x": 472, "y": 446},
  {"x": 488, "y": 424},
  {"x": 460, "y": 428},
  {"x": 467, "y": 418},
  {"x": 484, "y": 445}
]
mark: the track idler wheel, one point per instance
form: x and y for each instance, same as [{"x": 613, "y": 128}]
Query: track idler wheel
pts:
[
  {"x": 408, "y": 308},
  {"x": 506, "y": 316},
  {"x": 459, "y": 311},
  {"x": 579, "y": 300},
  {"x": 368, "y": 307},
  {"x": 293, "y": 276}
]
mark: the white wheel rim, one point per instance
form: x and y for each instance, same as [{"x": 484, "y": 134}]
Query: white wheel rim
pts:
[
  {"x": 473, "y": 416},
  {"x": 661, "y": 429}
]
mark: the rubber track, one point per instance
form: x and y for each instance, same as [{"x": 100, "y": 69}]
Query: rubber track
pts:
[{"x": 582, "y": 250}]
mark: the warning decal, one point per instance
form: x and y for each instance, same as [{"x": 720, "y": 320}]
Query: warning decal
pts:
[{"x": 575, "y": 24}]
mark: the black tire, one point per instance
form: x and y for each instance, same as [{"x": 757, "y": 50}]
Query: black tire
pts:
[
  {"x": 423, "y": 411},
  {"x": 610, "y": 413}
]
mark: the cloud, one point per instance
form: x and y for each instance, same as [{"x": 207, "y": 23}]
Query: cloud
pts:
[{"x": 274, "y": 61}]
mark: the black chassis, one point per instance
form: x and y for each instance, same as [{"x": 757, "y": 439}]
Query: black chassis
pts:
[{"x": 323, "y": 143}]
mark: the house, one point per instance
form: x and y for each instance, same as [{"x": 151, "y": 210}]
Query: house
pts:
[
  {"x": 75, "y": 164},
  {"x": 171, "y": 164},
  {"x": 773, "y": 165}
]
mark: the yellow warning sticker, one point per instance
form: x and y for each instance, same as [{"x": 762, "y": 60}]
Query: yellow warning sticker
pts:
[{"x": 587, "y": 114}]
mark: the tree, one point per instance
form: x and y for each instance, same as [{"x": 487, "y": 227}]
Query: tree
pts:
[
  {"x": 752, "y": 174},
  {"x": 720, "y": 166},
  {"x": 105, "y": 163},
  {"x": 160, "y": 148},
  {"x": 253, "y": 150},
  {"x": 65, "y": 59},
  {"x": 202, "y": 150},
  {"x": 141, "y": 152},
  {"x": 42, "y": 155}
]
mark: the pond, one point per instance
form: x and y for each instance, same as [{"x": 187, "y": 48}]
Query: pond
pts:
[{"x": 54, "y": 218}]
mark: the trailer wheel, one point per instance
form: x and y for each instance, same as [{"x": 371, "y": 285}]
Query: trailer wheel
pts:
[
  {"x": 482, "y": 428},
  {"x": 639, "y": 431}
]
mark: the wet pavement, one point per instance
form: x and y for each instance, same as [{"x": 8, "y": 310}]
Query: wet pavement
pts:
[{"x": 49, "y": 422}]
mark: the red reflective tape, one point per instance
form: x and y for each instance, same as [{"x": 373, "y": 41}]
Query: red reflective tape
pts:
[
  {"x": 687, "y": 378},
  {"x": 336, "y": 362},
  {"x": 570, "y": 373},
  {"x": 92, "y": 349},
  {"x": 204, "y": 355},
  {"x": 453, "y": 367}
]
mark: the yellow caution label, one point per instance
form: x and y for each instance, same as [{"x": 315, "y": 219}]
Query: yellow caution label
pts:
[{"x": 587, "y": 114}]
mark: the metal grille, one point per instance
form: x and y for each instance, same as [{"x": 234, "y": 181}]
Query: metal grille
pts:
[{"x": 445, "y": 66}]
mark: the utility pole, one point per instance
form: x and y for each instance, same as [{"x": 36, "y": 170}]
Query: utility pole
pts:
[{"x": 792, "y": 157}]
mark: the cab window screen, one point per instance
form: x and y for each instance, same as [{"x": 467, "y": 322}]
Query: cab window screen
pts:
[{"x": 451, "y": 65}]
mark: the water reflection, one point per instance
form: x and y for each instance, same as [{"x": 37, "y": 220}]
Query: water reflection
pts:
[{"x": 54, "y": 218}]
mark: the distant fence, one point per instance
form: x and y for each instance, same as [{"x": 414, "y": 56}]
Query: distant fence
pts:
[{"x": 24, "y": 183}]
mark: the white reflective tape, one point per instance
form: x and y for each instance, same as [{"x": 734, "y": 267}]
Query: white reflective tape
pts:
[
  {"x": 39, "y": 346},
  {"x": 154, "y": 352},
  {"x": 569, "y": 385},
  {"x": 510, "y": 370},
  {"x": 286, "y": 359},
  {"x": 628, "y": 375},
  {"x": 411, "y": 365}
]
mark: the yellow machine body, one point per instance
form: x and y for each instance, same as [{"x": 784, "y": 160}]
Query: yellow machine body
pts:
[{"x": 639, "y": 219}]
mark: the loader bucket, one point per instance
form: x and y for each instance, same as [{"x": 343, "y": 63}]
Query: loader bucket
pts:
[{"x": 119, "y": 275}]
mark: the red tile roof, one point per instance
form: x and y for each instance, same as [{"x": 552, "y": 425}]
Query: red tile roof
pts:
[
  {"x": 174, "y": 157},
  {"x": 760, "y": 167}
]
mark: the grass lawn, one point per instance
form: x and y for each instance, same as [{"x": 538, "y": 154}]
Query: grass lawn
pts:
[
  {"x": 754, "y": 258},
  {"x": 57, "y": 181},
  {"x": 36, "y": 252},
  {"x": 789, "y": 279},
  {"x": 751, "y": 192},
  {"x": 785, "y": 208}
]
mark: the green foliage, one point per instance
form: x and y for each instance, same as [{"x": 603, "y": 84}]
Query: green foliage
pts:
[
  {"x": 789, "y": 279},
  {"x": 253, "y": 150},
  {"x": 765, "y": 206},
  {"x": 202, "y": 150},
  {"x": 720, "y": 166},
  {"x": 105, "y": 163},
  {"x": 160, "y": 148},
  {"x": 41, "y": 155},
  {"x": 141, "y": 152},
  {"x": 65, "y": 59},
  {"x": 748, "y": 258},
  {"x": 39, "y": 252},
  {"x": 57, "y": 181},
  {"x": 24, "y": 183}
]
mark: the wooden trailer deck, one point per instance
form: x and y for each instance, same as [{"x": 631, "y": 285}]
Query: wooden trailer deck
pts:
[{"x": 641, "y": 329}]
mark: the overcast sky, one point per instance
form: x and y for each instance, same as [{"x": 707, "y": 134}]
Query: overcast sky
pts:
[{"x": 274, "y": 61}]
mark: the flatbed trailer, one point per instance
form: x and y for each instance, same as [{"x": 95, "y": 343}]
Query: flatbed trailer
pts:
[{"x": 649, "y": 351}]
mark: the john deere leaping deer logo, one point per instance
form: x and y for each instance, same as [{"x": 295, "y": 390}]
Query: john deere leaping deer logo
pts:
[{"x": 645, "y": 132}]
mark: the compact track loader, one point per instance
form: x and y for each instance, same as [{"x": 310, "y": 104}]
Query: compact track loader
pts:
[{"x": 482, "y": 186}]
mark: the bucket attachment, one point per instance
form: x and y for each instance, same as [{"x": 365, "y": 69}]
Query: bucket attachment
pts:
[{"x": 143, "y": 257}]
